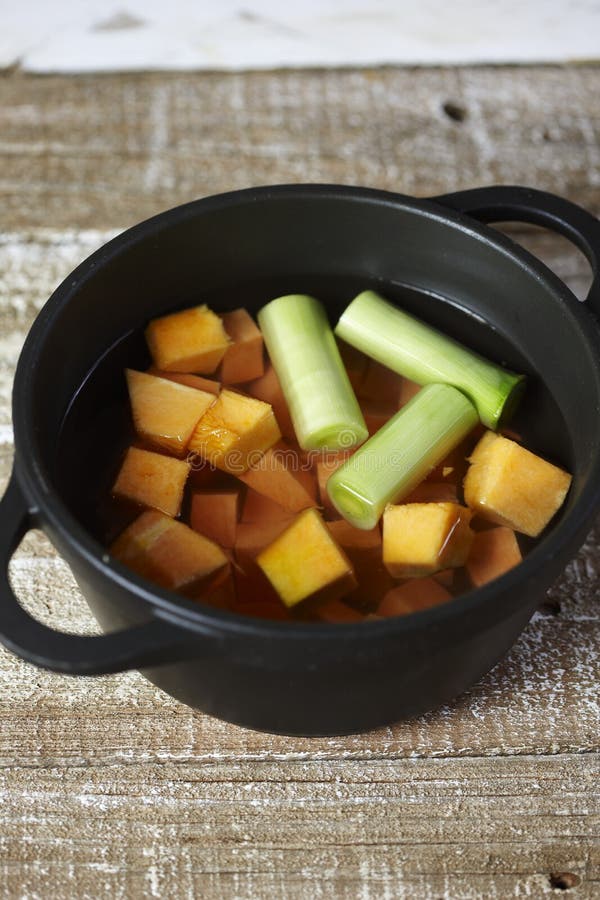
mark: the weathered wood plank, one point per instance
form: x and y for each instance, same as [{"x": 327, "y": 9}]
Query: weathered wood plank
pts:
[
  {"x": 425, "y": 828},
  {"x": 109, "y": 151},
  {"x": 543, "y": 698}
]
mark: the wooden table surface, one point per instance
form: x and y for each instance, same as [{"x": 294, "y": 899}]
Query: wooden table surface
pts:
[{"x": 111, "y": 789}]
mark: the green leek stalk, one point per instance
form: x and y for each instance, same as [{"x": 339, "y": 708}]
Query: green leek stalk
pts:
[
  {"x": 401, "y": 454},
  {"x": 423, "y": 354},
  {"x": 324, "y": 410}
]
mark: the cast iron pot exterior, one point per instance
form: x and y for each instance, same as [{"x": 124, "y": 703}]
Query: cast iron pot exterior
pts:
[{"x": 305, "y": 679}]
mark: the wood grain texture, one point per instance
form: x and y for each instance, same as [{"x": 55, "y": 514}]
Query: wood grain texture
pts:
[
  {"x": 376, "y": 829},
  {"x": 111, "y": 789},
  {"x": 109, "y": 151}
]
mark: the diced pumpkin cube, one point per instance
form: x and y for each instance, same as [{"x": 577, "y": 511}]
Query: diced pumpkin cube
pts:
[
  {"x": 413, "y": 596},
  {"x": 268, "y": 389},
  {"x": 169, "y": 553},
  {"x": 422, "y": 538},
  {"x": 132, "y": 547},
  {"x": 234, "y": 431},
  {"x": 164, "y": 413},
  {"x": 304, "y": 561},
  {"x": 326, "y": 466},
  {"x": 192, "y": 381},
  {"x": 253, "y": 537},
  {"x": 362, "y": 548},
  {"x": 445, "y": 577},
  {"x": 459, "y": 542},
  {"x": 215, "y": 515},
  {"x": 258, "y": 508},
  {"x": 493, "y": 553},
  {"x": 221, "y": 593},
  {"x": 433, "y": 492},
  {"x": 512, "y": 486},
  {"x": 244, "y": 358},
  {"x": 192, "y": 340},
  {"x": 277, "y": 475},
  {"x": 307, "y": 476},
  {"x": 337, "y": 611},
  {"x": 152, "y": 479}
]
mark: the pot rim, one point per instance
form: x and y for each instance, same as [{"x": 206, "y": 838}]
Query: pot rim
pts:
[{"x": 47, "y": 507}]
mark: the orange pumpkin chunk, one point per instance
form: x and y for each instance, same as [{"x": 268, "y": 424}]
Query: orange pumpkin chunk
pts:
[
  {"x": 171, "y": 554},
  {"x": 234, "y": 432},
  {"x": 253, "y": 537},
  {"x": 277, "y": 475},
  {"x": 412, "y": 596},
  {"x": 165, "y": 413},
  {"x": 258, "y": 508},
  {"x": 244, "y": 358},
  {"x": 152, "y": 479},
  {"x": 221, "y": 592},
  {"x": 422, "y": 538},
  {"x": 363, "y": 548},
  {"x": 193, "y": 381},
  {"x": 192, "y": 340},
  {"x": 511, "y": 486},
  {"x": 215, "y": 515},
  {"x": 493, "y": 553},
  {"x": 338, "y": 611},
  {"x": 132, "y": 546},
  {"x": 445, "y": 577},
  {"x": 268, "y": 389},
  {"x": 304, "y": 561},
  {"x": 326, "y": 466}
]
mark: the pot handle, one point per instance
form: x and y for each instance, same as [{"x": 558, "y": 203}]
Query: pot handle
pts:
[
  {"x": 151, "y": 643},
  {"x": 511, "y": 203}
]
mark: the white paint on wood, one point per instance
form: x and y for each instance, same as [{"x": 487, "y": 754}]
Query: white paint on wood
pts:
[{"x": 262, "y": 34}]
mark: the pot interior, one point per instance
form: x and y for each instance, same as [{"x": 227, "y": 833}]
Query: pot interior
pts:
[{"x": 254, "y": 246}]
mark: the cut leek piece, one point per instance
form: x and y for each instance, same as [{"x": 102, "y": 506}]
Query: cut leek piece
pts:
[
  {"x": 400, "y": 455},
  {"x": 324, "y": 410},
  {"x": 425, "y": 355}
]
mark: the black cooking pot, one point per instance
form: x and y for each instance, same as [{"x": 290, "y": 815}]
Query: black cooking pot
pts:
[{"x": 242, "y": 249}]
